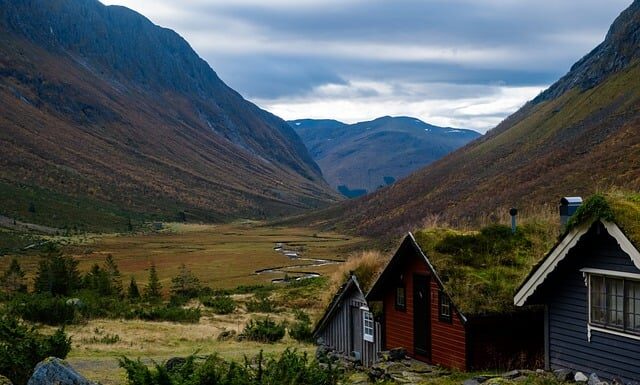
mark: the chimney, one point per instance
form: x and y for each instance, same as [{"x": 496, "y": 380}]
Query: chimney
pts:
[
  {"x": 568, "y": 207},
  {"x": 514, "y": 213}
]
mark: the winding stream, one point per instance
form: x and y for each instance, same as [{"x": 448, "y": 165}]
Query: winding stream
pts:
[{"x": 298, "y": 275}]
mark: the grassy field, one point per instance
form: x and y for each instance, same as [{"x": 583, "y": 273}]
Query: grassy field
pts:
[{"x": 222, "y": 256}]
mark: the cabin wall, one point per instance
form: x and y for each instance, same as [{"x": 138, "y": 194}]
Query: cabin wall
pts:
[
  {"x": 566, "y": 295},
  {"x": 448, "y": 344},
  {"x": 399, "y": 323},
  {"x": 344, "y": 332}
]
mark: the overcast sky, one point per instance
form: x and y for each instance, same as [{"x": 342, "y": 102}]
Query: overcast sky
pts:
[{"x": 461, "y": 63}]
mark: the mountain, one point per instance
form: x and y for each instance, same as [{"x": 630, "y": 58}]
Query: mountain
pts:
[
  {"x": 578, "y": 137},
  {"x": 359, "y": 158},
  {"x": 106, "y": 116}
]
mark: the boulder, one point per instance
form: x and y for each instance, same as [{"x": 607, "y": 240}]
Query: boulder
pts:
[
  {"x": 226, "y": 335},
  {"x": 593, "y": 379},
  {"x": 471, "y": 381},
  {"x": 4, "y": 380},
  {"x": 511, "y": 375},
  {"x": 56, "y": 371},
  {"x": 580, "y": 377}
]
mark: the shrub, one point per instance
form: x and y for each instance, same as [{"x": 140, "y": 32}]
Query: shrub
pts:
[
  {"x": 22, "y": 347},
  {"x": 133, "y": 292},
  {"x": 43, "y": 308},
  {"x": 185, "y": 284},
  {"x": 290, "y": 367},
  {"x": 222, "y": 304},
  {"x": 265, "y": 330},
  {"x": 13, "y": 280},
  {"x": 261, "y": 304},
  {"x": 301, "y": 329},
  {"x": 169, "y": 313}
]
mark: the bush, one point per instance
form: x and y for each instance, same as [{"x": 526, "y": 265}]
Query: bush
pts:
[
  {"x": 264, "y": 330},
  {"x": 261, "y": 304},
  {"x": 301, "y": 329},
  {"x": 22, "y": 347},
  {"x": 222, "y": 304},
  {"x": 290, "y": 367},
  {"x": 43, "y": 308},
  {"x": 169, "y": 313}
]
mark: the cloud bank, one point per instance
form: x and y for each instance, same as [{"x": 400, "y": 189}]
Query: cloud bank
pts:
[{"x": 463, "y": 63}]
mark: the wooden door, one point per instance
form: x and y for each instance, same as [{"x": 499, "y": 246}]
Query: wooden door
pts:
[{"x": 421, "y": 319}]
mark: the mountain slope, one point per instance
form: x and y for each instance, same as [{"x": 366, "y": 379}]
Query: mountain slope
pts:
[
  {"x": 99, "y": 105},
  {"x": 578, "y": 137},
  {"x": 367, "y": 155}
]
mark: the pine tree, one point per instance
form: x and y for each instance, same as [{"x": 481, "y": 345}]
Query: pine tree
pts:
[
  {"x": 133, "y": 292},
  {"x": 185, "y": 284},
  {"x": 153, "y": 290},
  {"x": 57, "y": 274},
  {"x": 111, "y": 269},
  {"x": 13, "y": 280}
]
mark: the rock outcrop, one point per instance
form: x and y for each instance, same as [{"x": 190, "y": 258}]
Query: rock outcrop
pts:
[{"x": 56, "y": 371}]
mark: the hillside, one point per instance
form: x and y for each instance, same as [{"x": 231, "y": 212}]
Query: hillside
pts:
[
  {"x": 362, "y": 157},
  {"x": 578, "y": 137},
  {"x": 106, "y": 116}
]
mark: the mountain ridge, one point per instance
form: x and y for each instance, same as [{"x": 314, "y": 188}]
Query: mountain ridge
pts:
[
  {"x": 576, "y": 138},
  {"x": 363, "y": 156},
  {"x": 87, "y": 115}
]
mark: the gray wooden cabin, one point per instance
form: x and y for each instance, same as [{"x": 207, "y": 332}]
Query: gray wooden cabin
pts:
[
  {"x": 589, "y": 285},
  {"x": 348, "y": 326}
]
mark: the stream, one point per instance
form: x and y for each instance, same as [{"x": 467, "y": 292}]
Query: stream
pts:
[{"x": 293, "y": 270}]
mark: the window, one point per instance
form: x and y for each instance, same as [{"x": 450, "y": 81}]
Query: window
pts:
[
  {"x": 444, "y": 304},
  {"x": 401, "y": 300},
  {"x": 367, "y": 325},
  {"x": 614, "y": 303}
]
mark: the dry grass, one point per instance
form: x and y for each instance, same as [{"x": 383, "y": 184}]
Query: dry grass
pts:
[
  {"x": 366, "y": 265},
  {"x": 222, "y": 256}
]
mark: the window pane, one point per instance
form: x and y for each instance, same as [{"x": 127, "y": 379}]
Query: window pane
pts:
[
  {"x": 400, "y": 297},
  {"x": 632, "y": 315},
  {"x": 598, "y": 303},
  {"x": 615, "y": 301}
]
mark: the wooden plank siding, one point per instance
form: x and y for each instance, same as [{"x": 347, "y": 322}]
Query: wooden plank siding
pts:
[
  {"x": 344, "y": 331},
  {"x": 399, "y": 323},
  {"x": 448, "y": 345},
  {"x": 566, "y": 295},
  {"x": 448, "y": 341}
]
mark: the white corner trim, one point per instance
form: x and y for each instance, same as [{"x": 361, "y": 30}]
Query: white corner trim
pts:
[
  {"x": 623, "y": 241},
  {"x": 610, "y": 273},
  {"x": 550, "y": 263},
  {"x": 591, "y": 328}
]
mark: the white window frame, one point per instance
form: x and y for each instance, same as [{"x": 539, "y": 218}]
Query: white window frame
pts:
[
  {"x": 368, "y": 326},
  {"x": 587, "y": 273}
]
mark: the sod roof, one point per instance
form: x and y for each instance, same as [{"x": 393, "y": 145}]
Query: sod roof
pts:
[{"x": 481, "y": 270}]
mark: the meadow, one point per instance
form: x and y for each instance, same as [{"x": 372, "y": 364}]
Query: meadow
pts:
[{"x": 224, "y": 258}]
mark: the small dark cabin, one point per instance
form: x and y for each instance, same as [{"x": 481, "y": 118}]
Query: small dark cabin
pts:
[
  {"x": 348, "y": 326},
  {"x": 421, "y": 315},
  {"x": 589, "y": 285}
]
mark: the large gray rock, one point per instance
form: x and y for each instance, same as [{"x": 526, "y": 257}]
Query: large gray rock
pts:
[
  {"x": 580, "y": 377},
  {"x": 56, "y": 371}
]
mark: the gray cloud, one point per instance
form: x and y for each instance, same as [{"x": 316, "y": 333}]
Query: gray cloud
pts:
[{"x": 427, "y": 54}]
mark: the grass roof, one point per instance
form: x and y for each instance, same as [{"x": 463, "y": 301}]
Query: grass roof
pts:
[{"x": 481, "y": 270}]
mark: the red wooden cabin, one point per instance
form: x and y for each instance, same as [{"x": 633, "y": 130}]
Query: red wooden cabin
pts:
[{"x": 418, "y": 315}]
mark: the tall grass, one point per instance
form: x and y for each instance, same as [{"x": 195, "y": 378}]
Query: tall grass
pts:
[{"x": 365, "y": 265}]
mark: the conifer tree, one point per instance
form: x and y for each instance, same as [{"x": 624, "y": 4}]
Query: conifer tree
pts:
[
  {"x": 57, "y": 274},
  {"x": 13, "y": 280},
  {"x": 133, "y": 292},
  {"x": 185, "y": 284},
  {"x": 153, "y": 290},
  {"x": 112, "y": 271}
]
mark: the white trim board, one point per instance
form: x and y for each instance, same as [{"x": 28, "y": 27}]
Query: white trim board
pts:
[
  {"x": 560, "y": 252},
  {"x": 610, "y": 273},
  {"x": 591, "y": 328}
]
